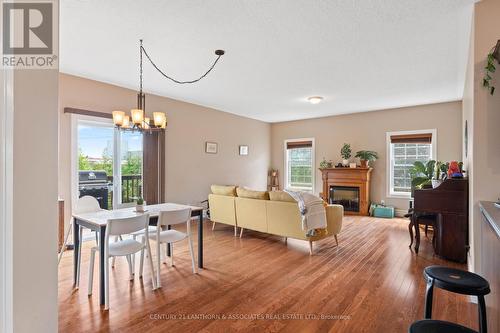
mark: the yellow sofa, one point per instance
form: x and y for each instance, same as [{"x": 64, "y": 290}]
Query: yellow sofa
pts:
[{"x": 278, "y": 216}]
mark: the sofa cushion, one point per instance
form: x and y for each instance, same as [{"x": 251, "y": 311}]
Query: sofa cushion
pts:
[
  {"x": 224, "y": 190},
  {"x": 280, "y": 196},
  {"x": 251, "y": 194}
]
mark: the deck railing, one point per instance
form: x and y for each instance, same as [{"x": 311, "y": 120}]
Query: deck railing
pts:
[{"x": 131, "y": 188}]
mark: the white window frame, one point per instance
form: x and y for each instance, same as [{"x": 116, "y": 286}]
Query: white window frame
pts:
[
  {"x": 389, "y": 166},
  {"x": 313, "y": 158}
]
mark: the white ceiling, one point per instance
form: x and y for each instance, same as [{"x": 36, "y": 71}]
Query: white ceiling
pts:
[{"x": 360, "y": 55}]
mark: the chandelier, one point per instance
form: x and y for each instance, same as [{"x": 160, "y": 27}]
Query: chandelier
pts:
[{"x": 138, "y": 121}]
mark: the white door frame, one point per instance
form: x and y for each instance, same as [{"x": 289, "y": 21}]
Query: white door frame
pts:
[
  {"x": 117, "y": 193},
  {"x": 75, "y": 119},
  {"x": 6, "y": 194}
]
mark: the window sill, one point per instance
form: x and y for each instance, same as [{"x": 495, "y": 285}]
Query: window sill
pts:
[
  {"x": 299, "y": 189},
  {"x": 399, "y": 196}
]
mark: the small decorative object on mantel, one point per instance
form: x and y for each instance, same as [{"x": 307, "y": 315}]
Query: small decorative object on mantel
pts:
[
  {"x": 366, "y": 156},
  {"x": 490, "y": 67},
  {"x": 345, "y": 152},
  {"x": 325, "y": 164},
  {"x": 243, "y": 150},
  {"x": 273, "y": 180},
  {"x": 211, "y": 147},
  {"x": 139, "y": 205},
  {"x": 352, "y": 165}
]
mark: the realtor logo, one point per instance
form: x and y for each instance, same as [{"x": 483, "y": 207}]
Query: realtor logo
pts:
[{"x": 28, "y": 34}]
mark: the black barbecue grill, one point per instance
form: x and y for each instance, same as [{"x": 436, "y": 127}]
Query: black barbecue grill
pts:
[{"x": 95, "y": 184}]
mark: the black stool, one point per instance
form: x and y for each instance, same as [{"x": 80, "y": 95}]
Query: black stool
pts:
[
  {"x": 437, "y": 326},
  {"x": 457, "y": 281}
]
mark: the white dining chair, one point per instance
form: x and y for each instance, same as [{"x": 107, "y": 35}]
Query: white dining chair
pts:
[
  {"x": 122, "y": 248},
  {"x": 167, "y": 237},
  {"x": 85, "y": 204}
]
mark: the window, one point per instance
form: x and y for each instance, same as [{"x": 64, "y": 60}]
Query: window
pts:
[
  {"x": 404, "y": 149},
  {"x": 299, "y": 164}
]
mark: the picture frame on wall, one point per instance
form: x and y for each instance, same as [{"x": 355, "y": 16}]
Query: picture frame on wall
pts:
[
  {"x": 243, "y": 150},
  {"x": 211, "y": 147}
]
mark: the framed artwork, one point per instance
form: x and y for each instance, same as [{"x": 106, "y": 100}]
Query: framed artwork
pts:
[
  {"x": 243, "y": 150},
  {"x": 211, "y": 147}
]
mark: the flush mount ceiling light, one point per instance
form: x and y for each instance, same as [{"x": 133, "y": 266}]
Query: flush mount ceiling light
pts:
[
  {"x": 138, "y": 120},
  {"x": 315, "y": 99}
]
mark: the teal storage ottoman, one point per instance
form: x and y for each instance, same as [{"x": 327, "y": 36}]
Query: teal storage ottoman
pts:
[{"x": 383, "y": 211}]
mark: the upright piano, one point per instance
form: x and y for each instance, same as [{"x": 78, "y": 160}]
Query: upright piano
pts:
[{"x": 449, "y": 204}]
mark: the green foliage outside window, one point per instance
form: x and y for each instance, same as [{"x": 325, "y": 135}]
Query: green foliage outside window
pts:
[{"x": 130, "y": 166}]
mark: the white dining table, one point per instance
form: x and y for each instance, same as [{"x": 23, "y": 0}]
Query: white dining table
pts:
[{"x": 97, "y": 221}]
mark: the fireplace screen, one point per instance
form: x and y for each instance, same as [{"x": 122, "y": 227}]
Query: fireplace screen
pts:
[{"x": 345, "y": 196}]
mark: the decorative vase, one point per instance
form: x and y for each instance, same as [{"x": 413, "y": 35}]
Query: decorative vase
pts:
[
  {"x": 436, "y": 182},
  {"x": 345, "y": 162},
  {"x": 140, "y": 208},
  {"x": 364, "y": 163},
  {"x": 352, "y": 165}
]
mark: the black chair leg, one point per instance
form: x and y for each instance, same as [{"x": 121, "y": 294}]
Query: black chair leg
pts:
[
  {"x": 428, "y": 298},
  {"x": 483, "y": 326}
]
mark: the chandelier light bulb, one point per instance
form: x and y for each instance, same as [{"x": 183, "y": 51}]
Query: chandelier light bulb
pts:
[
  {"x": 118, "y": 117},
  {"x": 137, "y": 116},
  {"x": 126, "y": 122},
  {"x": 158, "y": 118}
]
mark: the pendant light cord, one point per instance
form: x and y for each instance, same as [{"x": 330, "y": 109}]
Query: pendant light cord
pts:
[{"x": 219, "y": 54}]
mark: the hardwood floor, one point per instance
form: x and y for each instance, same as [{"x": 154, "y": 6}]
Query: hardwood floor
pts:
[{"x": 371, "y": 282}]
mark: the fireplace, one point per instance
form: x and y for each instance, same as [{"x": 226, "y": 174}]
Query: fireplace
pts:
[
  {"x": 347, "y": 196},
  {"x": 349, "y": 187}
]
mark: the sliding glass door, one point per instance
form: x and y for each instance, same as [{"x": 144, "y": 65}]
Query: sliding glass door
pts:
[
  {"x": 128, "y": 168},
  {"x": 109, "y": 165}
]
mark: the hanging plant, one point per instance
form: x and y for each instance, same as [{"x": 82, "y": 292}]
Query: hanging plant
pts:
[{"x": 491, "y": 67}]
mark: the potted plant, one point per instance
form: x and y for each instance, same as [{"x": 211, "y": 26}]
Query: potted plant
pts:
[
  {"x": 345, "y": 152},
  {"x": 490, "y": 67},
  {"x": 440, "y": 170},
  {"x": 324, "y": 164},
  {"x": 139, "y": 205},
  {"x": 366, "y": 156},
  {"x": 421, "y": 174}
]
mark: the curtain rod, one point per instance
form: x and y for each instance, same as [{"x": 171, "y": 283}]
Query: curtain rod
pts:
[{"x": 88, "y": 113}]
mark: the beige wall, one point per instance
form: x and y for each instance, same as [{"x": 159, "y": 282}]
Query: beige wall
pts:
[
  {"x": 367, "y": 131},
  {"x": 486, "y": 118},
  {"x": 34, "y": 201},
  {"x": 189, "y": 170}
]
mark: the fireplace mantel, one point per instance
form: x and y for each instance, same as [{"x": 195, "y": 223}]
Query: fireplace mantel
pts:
[{"x": 349, "y": 177}]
